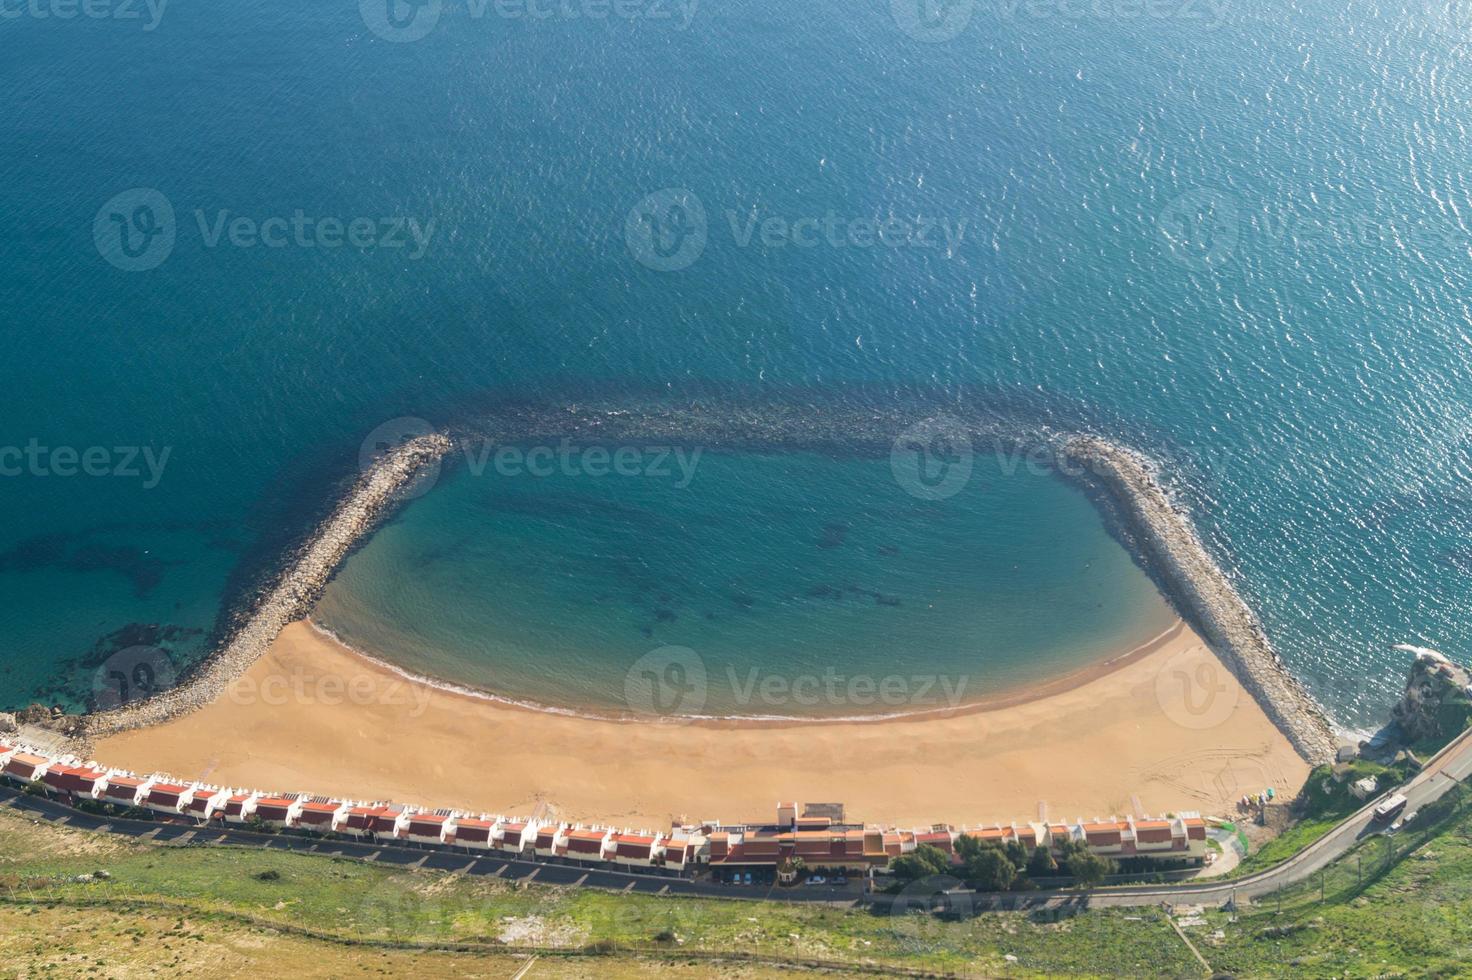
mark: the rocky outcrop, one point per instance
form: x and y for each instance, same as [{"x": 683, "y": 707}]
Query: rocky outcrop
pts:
[
  {"x": 293, "y": 595},
  {"x": 1171, "y": 548},
  {"x": 1436, "y": 705}
]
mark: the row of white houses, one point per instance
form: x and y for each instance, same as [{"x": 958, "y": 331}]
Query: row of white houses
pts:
[{"x": 820, "y": 841}]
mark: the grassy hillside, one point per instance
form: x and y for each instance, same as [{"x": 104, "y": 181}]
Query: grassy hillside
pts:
[{"x": 207, "y": 909}]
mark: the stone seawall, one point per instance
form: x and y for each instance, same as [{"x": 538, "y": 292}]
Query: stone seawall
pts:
[
  {"x": 1171, "y": 548},
  {"x": 291, "y": 598}
]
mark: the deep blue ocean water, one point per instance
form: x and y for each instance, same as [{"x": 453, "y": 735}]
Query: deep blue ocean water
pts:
[{"x": 1234, "y": 236}]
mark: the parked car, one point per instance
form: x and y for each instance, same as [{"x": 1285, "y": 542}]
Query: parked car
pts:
[
  {"x": 816, "y": 880},
  {"x": 843, "y": 879}
]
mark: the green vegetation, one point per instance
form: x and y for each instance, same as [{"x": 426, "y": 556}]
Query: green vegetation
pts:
[
  {"x": 1398, "y": 906},
  {"x": 1325, "y": 800},
  {"x": 991, "y": 866}
]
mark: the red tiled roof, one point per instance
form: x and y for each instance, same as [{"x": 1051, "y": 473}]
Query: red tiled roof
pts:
[
  {"x": 476, "y": 830},
  {"x": 273, "y": 808},
  {"x": 164, "y": 794},
  {"x": 23, "y": 766},
  {"x": 72, "y": 778}
]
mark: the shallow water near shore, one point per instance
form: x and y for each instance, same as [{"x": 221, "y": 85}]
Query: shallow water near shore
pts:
[{"x": 792, "y": 585}]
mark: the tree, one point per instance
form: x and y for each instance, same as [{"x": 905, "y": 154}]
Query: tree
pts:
[
  {"x": 991, "y": 870},
  {"x": 1088, "y": 868},
  {"x": 922, "y": 862},
  {"x": 1041, "y": 864}
]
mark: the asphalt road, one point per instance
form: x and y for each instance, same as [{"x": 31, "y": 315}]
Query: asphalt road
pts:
[
  {"x": 468, "y": 862},
  {"x": 1444, "y": 770}
]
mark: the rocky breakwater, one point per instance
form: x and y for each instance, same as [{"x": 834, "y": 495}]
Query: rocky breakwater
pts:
[
  {"x": 293, "y": 595},
  {"x": 1171, "y": 548}
]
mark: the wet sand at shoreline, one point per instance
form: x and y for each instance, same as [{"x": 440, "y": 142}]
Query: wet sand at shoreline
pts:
[{"x": 1165, "y": 725}]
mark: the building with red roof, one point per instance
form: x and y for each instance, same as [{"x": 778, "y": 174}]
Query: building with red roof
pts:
[
  {"x": 389, "y": 821},
  {"x": 641, "y": 850},
  {"x": 124, "y": 789},
  {"x": 550, "y": 840},
  {"x": 238, "y": 807},
  {"x": 586, "y": 844},
  {"x": 279, "y": 812},
  {"x": 321, "y": 814},
  {"x": 473, "y": 832},
  {"x": 514, "y": 836},
  {"x": 24, "y": 768},
  {"x": 430, "y": 828},
  {"x": 203, "y": 801},
  {"x": 166, "y": 798},
  {"x": 74, "y": 780}
]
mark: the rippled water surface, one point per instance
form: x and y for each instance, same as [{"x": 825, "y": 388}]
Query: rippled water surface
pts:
[{"x": 1235, "y": 236}]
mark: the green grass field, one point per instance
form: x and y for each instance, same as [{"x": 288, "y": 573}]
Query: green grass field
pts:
[{"x": 1407, "y": 913}]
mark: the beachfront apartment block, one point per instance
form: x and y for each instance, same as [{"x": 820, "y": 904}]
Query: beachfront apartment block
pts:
[
  {"x": 25, "y": 767},
  {"x": 322, "y": 814},
  {"x": 816, "y": 834},
  {"x": 515, "y": 837},
  {"x": 279, "y": 812},
  {"x": 166, "y": 798},
  {"x": 75, "y": 780},
  {"x": 426, "y": 827},
  {"x": 205, "y": 801},
  {"x": 473, "y": 833},
  {"x": 239, "y": 807}
]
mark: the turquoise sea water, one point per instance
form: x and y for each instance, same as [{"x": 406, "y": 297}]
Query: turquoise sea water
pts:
[
  {"x": 766, "y": 568},
  {"x": 1241, "y": 245}
]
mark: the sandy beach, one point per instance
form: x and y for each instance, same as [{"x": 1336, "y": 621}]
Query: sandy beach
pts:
[{"x": 1167, "y": 728}]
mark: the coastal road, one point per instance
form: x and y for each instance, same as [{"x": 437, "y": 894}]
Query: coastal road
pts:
[
  {"x": 1446, "y": 769},
  {"x": 1442, "y": 772},
  {"x": 467, "y": 862}
]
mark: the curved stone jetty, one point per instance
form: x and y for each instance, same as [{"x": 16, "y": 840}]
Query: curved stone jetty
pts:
[
  {"x": 292, "y": 596},
  {"x": 1170, "y": 546}
]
